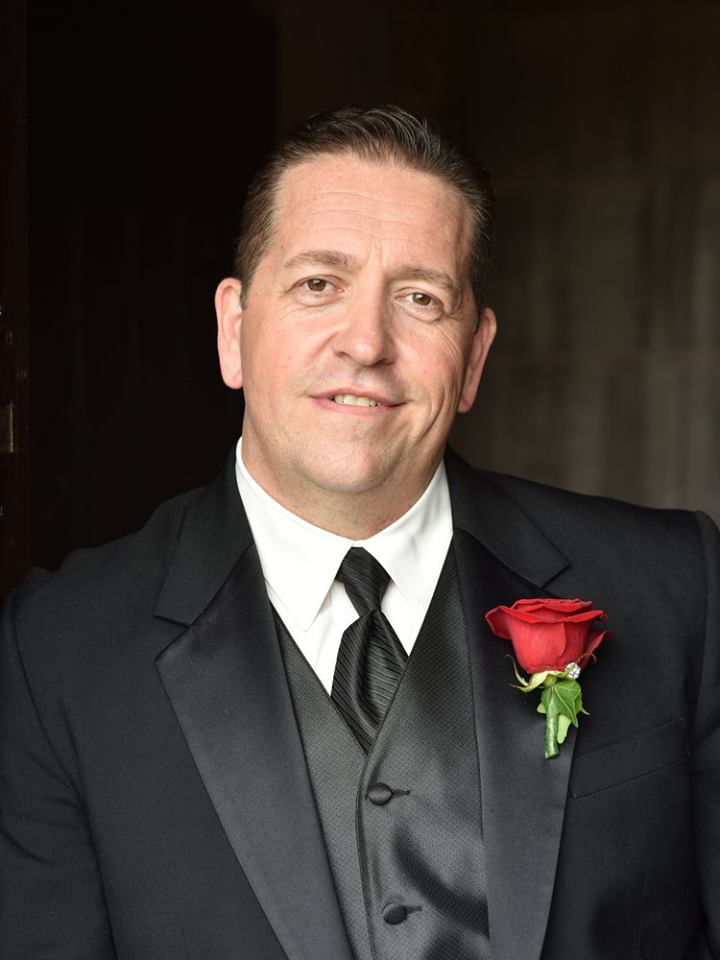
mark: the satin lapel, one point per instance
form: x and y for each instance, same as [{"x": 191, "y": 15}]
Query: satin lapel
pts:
[
  {"x": 225, "y": 678},
  {"x": 523, "y": 795}
]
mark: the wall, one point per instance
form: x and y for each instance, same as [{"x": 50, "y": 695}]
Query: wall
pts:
[
  {"x": 598, "y": 120},
  {"x": 145, "y": 124},
  {"x": 600, "y": 124}
]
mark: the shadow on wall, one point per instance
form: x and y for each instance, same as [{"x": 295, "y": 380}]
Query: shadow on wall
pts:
[
  {"x": 136, "y": 181},
  {"x": 599, "y": 124}
]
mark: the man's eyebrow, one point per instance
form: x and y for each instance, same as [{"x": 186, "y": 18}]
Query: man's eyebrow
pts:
[
  {"x": 438, "y": 277},
  {"x": 321, "y": 258}
]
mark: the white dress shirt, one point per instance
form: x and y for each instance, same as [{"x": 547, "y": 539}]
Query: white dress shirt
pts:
[{"x": 300, "y": 561}]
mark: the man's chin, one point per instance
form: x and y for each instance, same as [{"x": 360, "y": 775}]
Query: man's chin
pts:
[
  {"x": 394, "y": 489},
  {"x": 346, "y": 473},
  {"x": 351, "y": 483}
]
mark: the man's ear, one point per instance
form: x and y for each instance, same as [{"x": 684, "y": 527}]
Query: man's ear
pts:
[
  {"x": 481, "y": 343},
  {"x": 229, "y": 320}
]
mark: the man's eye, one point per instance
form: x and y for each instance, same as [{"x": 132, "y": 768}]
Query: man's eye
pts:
[
  {"x": 422, "y": 299},
  {"x": 316, "y": 291},
  {"x": 421, "y": 305},
  {"x": 316, "y": 285}
]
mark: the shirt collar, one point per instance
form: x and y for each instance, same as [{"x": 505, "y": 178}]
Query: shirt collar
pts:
[{"x": 300, "y": 561}]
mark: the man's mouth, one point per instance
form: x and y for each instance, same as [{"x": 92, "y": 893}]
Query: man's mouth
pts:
[{"x": 351, "y": 400}]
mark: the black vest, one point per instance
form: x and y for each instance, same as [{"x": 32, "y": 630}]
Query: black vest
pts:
[{"x": 402, "y": 826}]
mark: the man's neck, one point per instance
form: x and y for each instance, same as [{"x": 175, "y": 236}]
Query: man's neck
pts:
[
  {"x": 356, "y": 515},
  {"x": 353, "y": 514}
]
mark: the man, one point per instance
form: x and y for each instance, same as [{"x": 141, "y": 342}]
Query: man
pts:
[{"x": 275, "y": 722}]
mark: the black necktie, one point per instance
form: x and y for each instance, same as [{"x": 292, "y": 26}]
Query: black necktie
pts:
[{"x": 371, "y": 658}]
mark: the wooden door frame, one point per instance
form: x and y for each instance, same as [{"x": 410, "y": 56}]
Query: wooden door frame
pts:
[{"x": 14, "y": 314}]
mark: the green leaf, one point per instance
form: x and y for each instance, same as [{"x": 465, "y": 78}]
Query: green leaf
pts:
[
  {"x": 549, "y": 702},
  {"x": 563, "y": 727},
  {"x": 569, "y": 699},
  {"x": 561, "y": 702}
]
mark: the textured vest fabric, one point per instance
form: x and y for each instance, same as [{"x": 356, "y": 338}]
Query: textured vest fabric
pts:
[{"x": 402, "y": 826}]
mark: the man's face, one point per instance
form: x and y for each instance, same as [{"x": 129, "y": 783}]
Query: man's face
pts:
[{"x": 355, "y": 347}]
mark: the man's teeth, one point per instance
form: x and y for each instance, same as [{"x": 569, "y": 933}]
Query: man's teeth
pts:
[{"x": 356, "y": 401}]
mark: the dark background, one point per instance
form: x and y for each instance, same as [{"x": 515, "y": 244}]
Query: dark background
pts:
[{"x": 129, "y": 132}]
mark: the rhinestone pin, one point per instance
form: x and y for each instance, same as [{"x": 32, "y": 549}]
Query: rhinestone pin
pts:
[{"x": 572, "y": 670}]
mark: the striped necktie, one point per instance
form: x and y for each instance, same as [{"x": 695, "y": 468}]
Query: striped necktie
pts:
[{"x": 371, "y": 659}]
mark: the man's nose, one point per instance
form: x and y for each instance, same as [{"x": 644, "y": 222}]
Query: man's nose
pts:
[{"x": 365, "y": 334}]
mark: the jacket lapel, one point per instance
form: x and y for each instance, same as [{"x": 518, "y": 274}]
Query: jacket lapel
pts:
[
  {"x": 225, "y": 678},
  {"x": 503, "y": 557}
]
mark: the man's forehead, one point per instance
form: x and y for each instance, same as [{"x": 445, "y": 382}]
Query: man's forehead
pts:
[
  {"x": 383, "y": 179},
  {"x": 323, "y": 190}
]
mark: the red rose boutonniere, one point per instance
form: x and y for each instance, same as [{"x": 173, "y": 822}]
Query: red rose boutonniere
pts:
[{"x": 552, "y": 639}]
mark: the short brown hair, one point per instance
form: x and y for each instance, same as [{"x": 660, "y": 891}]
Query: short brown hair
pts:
[{"x": 386, "y": 133}]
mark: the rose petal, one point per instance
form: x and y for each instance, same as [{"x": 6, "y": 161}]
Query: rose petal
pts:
[
  {"x": 596, "y": 638},
  {"x": 499, "y": 620},
  {"x": 552, "y": 603},
  {"x": 540, "y": 646},
  {"x": 548, "y": 633}
]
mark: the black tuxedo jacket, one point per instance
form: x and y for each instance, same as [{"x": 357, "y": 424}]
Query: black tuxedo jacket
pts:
[{"x": 155, "y": 800}]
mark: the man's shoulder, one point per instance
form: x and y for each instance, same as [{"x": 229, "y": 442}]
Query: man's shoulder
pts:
[
  {"x": 554, "y": 501},
  {"x": 573, "y": 520},
  {"x": 121, "y": 575},
  {"x": 623, "y": 556}
]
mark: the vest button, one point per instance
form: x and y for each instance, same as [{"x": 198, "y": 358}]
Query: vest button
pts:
[
  {"x": 380, "y": 794},
  {"x": 394, "y": 913}
]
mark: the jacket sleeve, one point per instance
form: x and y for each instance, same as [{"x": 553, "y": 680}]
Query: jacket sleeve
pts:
[
  {"x": 51, "y": 897},
  {"x": 705, "y": 746}
]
